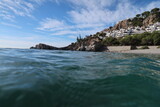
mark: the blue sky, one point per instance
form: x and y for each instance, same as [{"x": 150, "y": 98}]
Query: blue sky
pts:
[{"x": 24, "y": 23}]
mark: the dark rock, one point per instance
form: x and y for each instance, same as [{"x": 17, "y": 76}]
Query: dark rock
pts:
[
  {"x": 44, "y": 46},
  {"x": 32, "y": 47},
  {"x": 133, "y": 47},
  {"x": 99, "y": 47}
]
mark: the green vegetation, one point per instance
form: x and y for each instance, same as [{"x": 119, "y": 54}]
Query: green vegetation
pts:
[
  {"x": 134, "y": 40},
  {"x": 155, "y": 11},
  {"x": 138, "y": 20},
  {"x": 158, "y": 47},
  {"x": 98, "y": 34},
  {"x": 145, "y": 14},
  {"x": 110, "y": 41},
  {"x": 102, "y": 34},
  {"x": 79, "y": 39}
]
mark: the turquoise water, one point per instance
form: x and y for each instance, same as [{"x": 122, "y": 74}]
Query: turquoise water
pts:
[{"x": 41, "y": 78}]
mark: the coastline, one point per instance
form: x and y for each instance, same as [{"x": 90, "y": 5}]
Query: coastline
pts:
[
  {"x": 127, "y": 49},
  {"x": 144, "y": 51},
  {"x": 114, "y": 49}
]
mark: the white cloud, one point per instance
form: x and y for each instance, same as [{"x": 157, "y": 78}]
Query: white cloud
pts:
[
  {"x": 42, "y": 1},
  {"x": 153, "y": 5},
  {"x": 49, "y": 24},
  {"x": 18, "y": 7},
  {"x": 64, "y": 32},
  {"x": 83, "y": 26},
  {"x": 57, "y": 27},
  {"x": 23, "y": 8},
  {"x": 92, "y": 4},
  {"x": 8, "y": 41},
  {"x": 11, "y": 25},
  {"x": 97, "y": 11},
  {"x": 72, "y": 36},
  {"x": 38, "y": 1},
  {"x": 7, "y": 16}
]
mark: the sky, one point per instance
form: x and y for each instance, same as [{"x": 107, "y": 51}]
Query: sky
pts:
[{"x": 25, "y": 23}]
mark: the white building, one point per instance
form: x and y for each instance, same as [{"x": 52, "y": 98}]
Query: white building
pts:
[{"x": 133, "y": 30}]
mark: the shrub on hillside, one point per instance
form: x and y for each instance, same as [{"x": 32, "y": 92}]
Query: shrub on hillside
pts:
[
  {"x": 145, "y": 14},
  {"x": 148, "y": 40},
  {"x": 110, "y": 41},
  {"x": 156, "y": 38},
  {"x": 155, "y": 10},
  {"x": 137, "y": 21}
]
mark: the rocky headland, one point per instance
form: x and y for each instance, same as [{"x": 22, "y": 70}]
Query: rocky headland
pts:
[
  {"x": 44, "y": 46},
  {"x": 140, "y": 30}
]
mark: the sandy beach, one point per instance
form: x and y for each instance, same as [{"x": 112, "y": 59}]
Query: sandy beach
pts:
[
  {"x": 144, "y": 51},
  {"x": 126, "y": 49}
]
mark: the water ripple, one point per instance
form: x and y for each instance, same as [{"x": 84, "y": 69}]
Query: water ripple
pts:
[{"x": 41, "y": 78}]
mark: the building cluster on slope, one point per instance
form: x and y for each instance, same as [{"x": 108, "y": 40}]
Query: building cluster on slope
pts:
[{"x": 133, "y": 30}]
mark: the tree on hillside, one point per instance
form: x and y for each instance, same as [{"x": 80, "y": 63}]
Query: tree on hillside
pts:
[
  {"x": 102, "y": 34},
  {"x": 145, "y": 14},
  {"x": 137, "y": 21},
  {"x": 110, "y": 41},
  {"x": 148, "y": 40},
  {"x": 79, "y": 39},
  {"x": 110, "y": 27},
  {"x": 136, "y": 40},
  {"x": 138, "y": 15},
  {"x": 129, "y": 20},
  {"x": 126, "y": 40},
  {"x": 155, "y": 10},
  {"x": 156, "y": 38}
]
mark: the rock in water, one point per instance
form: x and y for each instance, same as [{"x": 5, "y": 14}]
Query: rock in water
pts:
[{"x": 44, "y": 46}]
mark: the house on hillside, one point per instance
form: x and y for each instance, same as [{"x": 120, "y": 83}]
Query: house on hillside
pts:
[{"x": 133, "y": 30}]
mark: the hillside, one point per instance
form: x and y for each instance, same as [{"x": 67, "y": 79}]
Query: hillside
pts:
[
  {"x": 142, "y": 20},
  {"x": 120, "y": 34}
]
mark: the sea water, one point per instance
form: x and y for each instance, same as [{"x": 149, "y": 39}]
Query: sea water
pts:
[{"x": 41, "y": 78}]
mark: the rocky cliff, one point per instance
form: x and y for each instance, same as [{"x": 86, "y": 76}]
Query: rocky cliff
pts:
[
  {"x": 122, "y": 24},
  {"x": 88, "y": 44},
  {"x": 150, "y": 20},
  {"x": 92, "y": 44}
]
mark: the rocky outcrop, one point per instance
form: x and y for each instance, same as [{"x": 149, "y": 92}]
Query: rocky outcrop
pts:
[
  {"x": 124, "y": 24},
  {"x": 150, "y": 20},
  {"x": 89, "y": 44},
  {"x": 45, "y": 47}
]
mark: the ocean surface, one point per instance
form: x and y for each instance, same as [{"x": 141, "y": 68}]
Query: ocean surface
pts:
[{"x": 41, "y": 78}]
